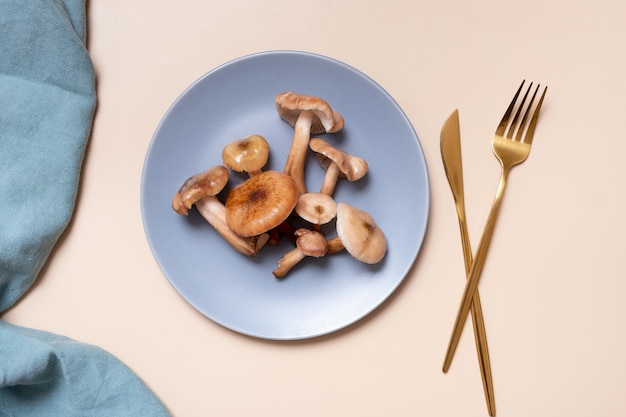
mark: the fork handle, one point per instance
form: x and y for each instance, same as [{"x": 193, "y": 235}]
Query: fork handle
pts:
[{"x": 474, "y": 274}]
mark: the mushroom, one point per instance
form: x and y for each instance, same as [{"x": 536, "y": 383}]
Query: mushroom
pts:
[
  {"x": 260, "y": 203},
  {"x": 309, "y": 243},
  {"x": 359, "y": 234},
  {"x": 249, "y": 154},
  {"x": 316, "y": 208},
  {"x": 201, "y": 190},
  {"x": 308, "y": 115},
  {"x": 337, "y": 163}
]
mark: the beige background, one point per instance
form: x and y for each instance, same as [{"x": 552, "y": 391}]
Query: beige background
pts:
[{"x": 554, "y": 285}]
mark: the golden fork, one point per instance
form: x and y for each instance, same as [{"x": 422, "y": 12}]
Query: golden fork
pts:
[{"x": 511, "y": 146}]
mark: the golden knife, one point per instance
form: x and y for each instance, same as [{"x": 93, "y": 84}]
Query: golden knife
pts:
[{"x": 453, "y": 166}]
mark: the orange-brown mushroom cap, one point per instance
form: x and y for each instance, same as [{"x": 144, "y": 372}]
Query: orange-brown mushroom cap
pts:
[
  {"x": 260, "y": 203},
  {"x": 206, "y": 183}
]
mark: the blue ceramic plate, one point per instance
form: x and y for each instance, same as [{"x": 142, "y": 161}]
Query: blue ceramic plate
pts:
[{"x": 318, "y": 296}]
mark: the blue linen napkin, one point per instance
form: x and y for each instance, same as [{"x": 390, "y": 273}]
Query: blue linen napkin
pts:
[
  {"x": 48, "y": 375},
  {"x": 47, "y": 99},
  {"x": 47, "y": 103}
]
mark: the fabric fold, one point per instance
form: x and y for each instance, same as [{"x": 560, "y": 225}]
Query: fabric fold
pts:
[
  {"x": 47, "y": 103},
  {"x": 51, "y": 375}
]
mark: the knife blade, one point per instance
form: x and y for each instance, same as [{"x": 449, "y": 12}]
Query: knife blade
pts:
[{"x": 450, "y": 143}]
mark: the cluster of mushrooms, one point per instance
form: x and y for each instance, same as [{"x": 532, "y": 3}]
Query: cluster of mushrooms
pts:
[{"x": 260, "y": 209}]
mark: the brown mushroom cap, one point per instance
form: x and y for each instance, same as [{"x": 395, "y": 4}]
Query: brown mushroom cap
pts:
[
  {"x": 351, "y": 167},
  {"x": 311, "y": 243},
  {"x": 260, "y": 203},
  {"x": 207, "y": 183},
  {"x": 316, "y": 208},
  {"x": 289, "y": 106},
  {"x": 249, "y": 154},
  {"x": 360, "y": 235}
]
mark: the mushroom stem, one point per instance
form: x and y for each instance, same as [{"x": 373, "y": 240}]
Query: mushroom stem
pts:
[
  {"x": 286, "y": 229},
  {"x": 335, "y": 245},
  {"x": 294, "y": 165},
  {"x": 274, "y": 237},
  {"x": 214, "y": 213},
  {"x": 330, "y": 179},
  {"x": 288, "y": 261}
]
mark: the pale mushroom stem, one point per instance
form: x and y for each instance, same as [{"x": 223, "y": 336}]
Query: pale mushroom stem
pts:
[
  {"x": 214, "y": 213},
  {"x": 291, "y": 259},
  {"x": 335, "y": 245},
  {"x": 294, "y": 166},
  {"x": 330, "y": 179}
]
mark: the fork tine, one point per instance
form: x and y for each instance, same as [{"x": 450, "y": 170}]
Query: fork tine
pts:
[
  {"x": 530, "y": 132},
  {"x": 520, "y": 129},
  {"x": 505, "y": 119},
  {"x": 513, "y": 126}
]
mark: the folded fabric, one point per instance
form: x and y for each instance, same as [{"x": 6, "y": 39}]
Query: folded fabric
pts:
[
  {"x": 50, "y": 375},
  {"x": 47, "y": 103},
  {"x": 47, "y": 100}
]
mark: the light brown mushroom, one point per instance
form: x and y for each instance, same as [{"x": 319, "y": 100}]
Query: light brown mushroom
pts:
[
  {"x": 358, "y": 233},
  {"x": 308, "y": 115},
  {"x": 248, "y": 154},
  {"x": 260, "y": 203},
  {"x": 309, "y": 243},
  {"x": 316, "y": 208},
  {"x": 201, "y": 190},
  {"x": 337, "y": 163}
]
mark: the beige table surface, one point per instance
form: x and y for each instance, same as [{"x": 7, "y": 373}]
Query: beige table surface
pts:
[{"x": 554, "y": 285}]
